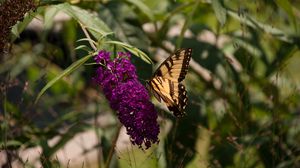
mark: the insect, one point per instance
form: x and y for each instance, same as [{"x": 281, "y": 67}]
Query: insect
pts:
[{"x": 165, "y": 83}]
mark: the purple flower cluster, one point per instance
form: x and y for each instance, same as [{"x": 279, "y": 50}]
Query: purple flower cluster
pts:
[{"x": 118, "y": 80}]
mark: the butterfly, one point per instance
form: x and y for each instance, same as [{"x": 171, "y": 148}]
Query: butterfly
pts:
[{"x": 165, "y": 83}]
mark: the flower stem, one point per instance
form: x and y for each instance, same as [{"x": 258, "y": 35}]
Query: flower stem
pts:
[
  {"x": 111, "y": 151},
  {"x": 88, "y": 36}
]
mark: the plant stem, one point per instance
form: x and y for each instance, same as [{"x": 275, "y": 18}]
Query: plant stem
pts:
[
  {"x": 111, "y": 151},
  {"x": 186, "y": 24},
  {"x": 88, "y": 36}
]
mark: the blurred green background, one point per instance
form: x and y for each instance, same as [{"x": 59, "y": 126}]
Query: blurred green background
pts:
[{"x": 243, "y": 84}]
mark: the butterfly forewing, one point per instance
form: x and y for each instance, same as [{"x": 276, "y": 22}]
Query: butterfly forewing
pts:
[{"x": 176, "y": 66}]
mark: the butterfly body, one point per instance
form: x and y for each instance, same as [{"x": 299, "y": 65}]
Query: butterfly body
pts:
[{"x": 165, "y": 84}]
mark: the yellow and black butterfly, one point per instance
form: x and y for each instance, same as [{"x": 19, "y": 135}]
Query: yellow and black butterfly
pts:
[{"x": 165, "y": 84}]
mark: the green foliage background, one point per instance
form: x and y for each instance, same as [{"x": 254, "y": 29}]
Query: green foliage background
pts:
[{"x": 243, "y": 83}]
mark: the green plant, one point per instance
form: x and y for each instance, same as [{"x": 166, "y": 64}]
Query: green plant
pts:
[{"x": 242, "y": 85}]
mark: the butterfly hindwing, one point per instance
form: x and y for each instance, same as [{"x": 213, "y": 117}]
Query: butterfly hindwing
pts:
[
  {"x": 179, "y": 98},
  {"x": 175, "y": 66},
  {"x": 172, "y": 93}
]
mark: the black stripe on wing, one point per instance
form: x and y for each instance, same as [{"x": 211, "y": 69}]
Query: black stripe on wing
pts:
[
  {"x": 180, "y": 101},
  {"x": 175, "y": 67},
  {"x": 172, "y": 93}
]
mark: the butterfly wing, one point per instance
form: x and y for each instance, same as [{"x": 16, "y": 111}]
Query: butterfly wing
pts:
[
  {"x": 172, "y": 93},
  {"x": 165, "y": 83},
  {"x": 175, "y": 66}
]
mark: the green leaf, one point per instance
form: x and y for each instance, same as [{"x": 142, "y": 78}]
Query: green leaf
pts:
[
  {"x": 11, "y": 143},
  {"x": 66, "y": 72},
  {"x": 133, "y": 50},
  {"x": 20, "y": 26},
  {"x": 83, "y": 47},
  {"x": 88, "y": 20},
  {"x": 245, "y": 19},
  {"x": 143, "y": 8},
  {"x": 51, "y": 2},
  {"x": 93, "y": 63},
  {"x": 285, "y": 52},
  {"x": 220, "y": 11},
  {"x": 168, "y": 16},
  {"x": 187, "y": 23},
  {"x": 49, "y": 15},
  {"x": 287, "y": 7}
]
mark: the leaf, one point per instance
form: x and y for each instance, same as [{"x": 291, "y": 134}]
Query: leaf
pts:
[
  {"x": 128, "y": 29},
  {"x": 285, "y": 52},
  {"x": 83, "y": 47},
  {"x": 220, "y": 11},
  {"x": 264, "y": 27},
  {"x": 66, "y": 72},
  {"x": 133, "y": 50},
  {"x": 287, "y": 7},
  {"x": 143, "y": 8},
  {"x": 88, "y": 20},
  {"x": 50, "y": 2},
  {"x": 187, "y": 23},
  {"x": 168, "y": 16},
  {"x": 49, "y": 15},
  {"x": 20, "y": 26},
  {"x": 11, "y": 143}
]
